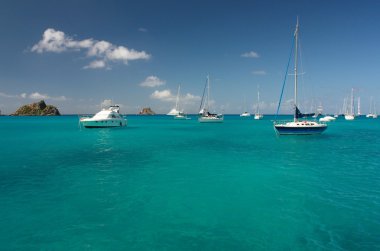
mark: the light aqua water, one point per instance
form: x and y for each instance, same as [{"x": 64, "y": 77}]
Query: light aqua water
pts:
[{"x": 162, "y": 184}]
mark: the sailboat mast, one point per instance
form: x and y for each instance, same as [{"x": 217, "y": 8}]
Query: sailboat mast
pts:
[
  {"x": 352, "y": 102},
  {"x": 177, "y": 100},
  {"x": 208, "y": 92},
  {"x": 295, "y": 70},
  {"x": 258, "y": 99},
  {"x": 359, "y": 112}
]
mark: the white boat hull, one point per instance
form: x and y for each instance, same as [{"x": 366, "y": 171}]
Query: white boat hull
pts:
[
  {"x": 258, "y": 116},
  {"x": 88, "y": 123},
  {"x": 181, "y": 117},
  {"x": 210, "y": 119},
  {"x": 371, "y": 115},
  {"x": 349, "y": 117},
  {"x": 327, "y": 119}
]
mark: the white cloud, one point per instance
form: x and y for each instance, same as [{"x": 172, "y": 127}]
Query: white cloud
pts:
[
  {"x": 250, "y": 54},
  {"x": 95, "y": 64},
  {"x": 39, "y": 96},
  {"x": 57, "y": 42},
  {"x": 259, "y": 72},
  {"x": 190, "y": 98},
  {"x": 167, "y": 96},
  {"x": 164, "y": 95},
  {"x": 4, "y": 95},
  {"x": 124, "y": 54},
  {"x": 23, "y": 95},
  {"x": 143, "y": 29},
  {"x": 152, "y": 81},
  {"x": 99, "y": 48},
  {"x": 106, "y": 103}
]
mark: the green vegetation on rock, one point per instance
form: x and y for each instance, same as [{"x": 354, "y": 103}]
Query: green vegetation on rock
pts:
[{"x": 37, "y": 109}]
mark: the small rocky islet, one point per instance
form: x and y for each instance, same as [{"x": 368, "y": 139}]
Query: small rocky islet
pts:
[
  {"x": 147, "y": 111},
  {"x": 37, "y": 109}
]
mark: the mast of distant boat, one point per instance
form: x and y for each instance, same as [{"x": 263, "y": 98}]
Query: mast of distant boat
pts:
[
  {"x": 177, "y": 100},
  {"x": 208, "y": 92},
  {"x": 295, "y": 71},
  {"x": 352, "y": 102},
  {"x": 258, "y": 100}
]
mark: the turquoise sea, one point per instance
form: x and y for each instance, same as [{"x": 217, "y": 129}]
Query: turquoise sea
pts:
[{"x": 163, "y": 184}]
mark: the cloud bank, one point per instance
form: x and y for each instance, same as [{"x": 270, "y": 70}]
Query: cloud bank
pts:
[
  {"x": 102, "y": 52},
  {"x": 34, "y": 96}
]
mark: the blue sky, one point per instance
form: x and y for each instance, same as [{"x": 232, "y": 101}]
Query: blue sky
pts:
[{"x": 80, "y": 54}]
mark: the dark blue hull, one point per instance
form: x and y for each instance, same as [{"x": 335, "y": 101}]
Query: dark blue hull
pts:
[{"x": 284, "y": 130}]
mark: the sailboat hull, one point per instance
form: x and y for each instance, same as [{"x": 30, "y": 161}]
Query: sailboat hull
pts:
[
  {"x": 300, "y": 128},
  {"x": 211, "y": 119},
  {"x": 258, "y": 116}
]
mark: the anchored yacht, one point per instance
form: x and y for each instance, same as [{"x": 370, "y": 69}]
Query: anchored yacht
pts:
[{"x": 105, "y": 118}]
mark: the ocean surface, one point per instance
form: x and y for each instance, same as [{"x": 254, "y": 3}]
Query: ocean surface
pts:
[{"x": 163, "y": 184}]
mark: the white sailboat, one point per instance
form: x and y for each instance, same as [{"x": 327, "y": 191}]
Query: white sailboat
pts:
[
  {"x": 297, "y": 126},
  {"x": 175, "y": 111},
  {"x": 204, "y": 115},
  {"x": 245, "y": 114},
  {"x": 350, "y": 115},
  {"x": 258, "y": 115},
  {"x": 372, "y": 110}
]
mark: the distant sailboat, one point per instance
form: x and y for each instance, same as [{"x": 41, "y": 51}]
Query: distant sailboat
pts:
[
  {"x": 297, "y": 126},
  {"x": 258, "y": 115},
  {"x": 204, "y": 115},
  {"x": 372, "y": 110},
  {"x": 175, "y": 111},
  {"x": 245, "y": 113},
  {"x": 350, "y": 115}
]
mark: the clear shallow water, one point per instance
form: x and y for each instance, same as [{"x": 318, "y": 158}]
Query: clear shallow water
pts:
[{"x": 162, "y": 184}]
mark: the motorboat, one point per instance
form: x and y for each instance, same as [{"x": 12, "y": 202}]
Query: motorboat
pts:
[{"x": 105, "y": 118}]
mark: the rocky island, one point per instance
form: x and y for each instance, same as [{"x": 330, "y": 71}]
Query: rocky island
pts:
[
  {"x": 147, "y": 111},
  {"x": 37, "y": 109}
]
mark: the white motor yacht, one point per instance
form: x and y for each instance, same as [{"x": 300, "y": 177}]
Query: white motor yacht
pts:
[{"x": 105, "y": 118}]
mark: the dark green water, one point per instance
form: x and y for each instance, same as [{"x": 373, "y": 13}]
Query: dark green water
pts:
[{"x": 162, "y": 184}]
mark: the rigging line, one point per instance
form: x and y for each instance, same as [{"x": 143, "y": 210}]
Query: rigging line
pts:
[
  {"x": 286, "y": 74},
  {"x": 302, "y": 77},
  {"x": 203, "y": 95}
]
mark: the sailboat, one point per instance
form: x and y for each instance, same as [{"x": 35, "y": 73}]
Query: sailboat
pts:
[
  {"x": 204, "y": 115},
  {"x": 372, "y": 110},
  {"x": 258, "y": 115},
  {"x": 297, "y": 126},
  {"x": 175, "y": 111},
  {"x": 350, "y": 115},
  {"x": 245, "y": 114}
]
